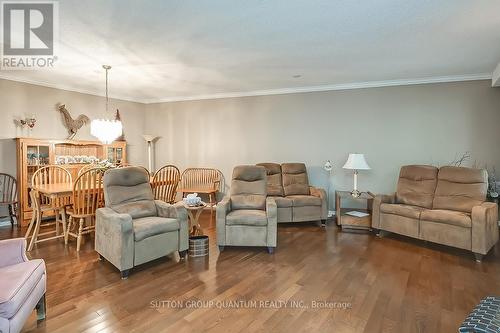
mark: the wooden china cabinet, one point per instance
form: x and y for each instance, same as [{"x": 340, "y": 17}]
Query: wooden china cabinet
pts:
[{"x": 33, "y": 154}]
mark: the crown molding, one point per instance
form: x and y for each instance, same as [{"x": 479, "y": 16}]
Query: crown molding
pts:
[
  {"x": 68, "y": 88},
  {"x": 280, "y": 91},
  {"x": 332, "y": 87}
]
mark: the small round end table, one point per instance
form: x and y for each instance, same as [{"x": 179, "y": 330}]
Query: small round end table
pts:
[{"x": 194, "y": 214}]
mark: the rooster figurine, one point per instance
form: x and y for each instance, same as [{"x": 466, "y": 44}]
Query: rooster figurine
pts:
[{"x": 73, "y": 125}]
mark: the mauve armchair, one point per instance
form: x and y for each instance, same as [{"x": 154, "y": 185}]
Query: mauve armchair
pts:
[{"x": 22, "y": 286}]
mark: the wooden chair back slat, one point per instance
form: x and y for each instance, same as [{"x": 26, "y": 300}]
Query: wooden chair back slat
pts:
[
  {"x": 52, "y": 174},
  {"x": 88, "y": 192},
  {"x": 165, "y": 182},
  {"x": 9, "y": 188},
  {"x": 202, "y": 179},
  {"x": 87, "y": 167}
]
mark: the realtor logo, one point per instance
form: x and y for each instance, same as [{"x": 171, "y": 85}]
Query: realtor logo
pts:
[{"x": 29, "y": 34}]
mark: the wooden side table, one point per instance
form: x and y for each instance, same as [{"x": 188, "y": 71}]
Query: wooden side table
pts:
[
  {"x": 353, "y": 222},
  {"x": 194, "y": 215}
]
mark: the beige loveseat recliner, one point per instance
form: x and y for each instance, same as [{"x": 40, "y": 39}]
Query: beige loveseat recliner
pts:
[
  {"x": 288, "y": 184},
  {"x": 134, "y": 228},
  {"x": 246, "y": 217},
  {"x": 446, "y": 206}
]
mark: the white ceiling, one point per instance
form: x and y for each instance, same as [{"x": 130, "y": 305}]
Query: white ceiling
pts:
[{"x": 174, "y": 50}]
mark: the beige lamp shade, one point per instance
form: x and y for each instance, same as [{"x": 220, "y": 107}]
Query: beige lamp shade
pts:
[{"x": 356, "y": 162}]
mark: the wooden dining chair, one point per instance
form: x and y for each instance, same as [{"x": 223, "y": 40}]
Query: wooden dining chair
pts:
[
  {"x": 8, "y": 195},
  {"x": 87, "y": 167},
  {"x": 206, "y": 181},
  {"x": 42, "y": 204},
  {"x": 53, "y": 174},
  {"x": 87, "y": 197},
  {"x": 165, "y": 182}
]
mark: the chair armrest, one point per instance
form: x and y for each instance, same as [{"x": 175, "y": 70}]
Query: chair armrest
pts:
[
  {"x": 12, "y": 251},
  {"x": 223, "y": 208},
  {"x": 114, "y": 237},
  {"x": 377, "y": 201},
  {"x": 484, "y": 227},
  {"x": 321, "y": 193},
  {"x": 179, "y": 212},
  {"x": 272, "y": 221},
  {"x": 175, "y": 211}
]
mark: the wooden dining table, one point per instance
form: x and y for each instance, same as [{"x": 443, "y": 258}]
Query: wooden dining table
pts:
[{"x": 53, "y": 192}]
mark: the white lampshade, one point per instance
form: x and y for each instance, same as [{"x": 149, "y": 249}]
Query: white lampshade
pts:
[
  {"x": 106, "y": 130},
  {"x": 149, "y": 138},
  {"x": 356, "y": 162}
]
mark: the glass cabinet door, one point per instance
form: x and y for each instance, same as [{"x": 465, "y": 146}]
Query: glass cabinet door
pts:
[
  {"x": 37, "y": 156},
  {"x": 119, "y": 155},
  {"x": 114, "y": 155}
]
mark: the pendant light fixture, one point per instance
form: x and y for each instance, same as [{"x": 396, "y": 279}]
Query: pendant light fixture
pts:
[{"x": 106, "y": 129}]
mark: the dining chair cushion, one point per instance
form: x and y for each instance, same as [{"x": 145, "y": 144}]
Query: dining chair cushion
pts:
[
  {"x": 150, "y": 226},
  {"x": 18, "y": 281}
]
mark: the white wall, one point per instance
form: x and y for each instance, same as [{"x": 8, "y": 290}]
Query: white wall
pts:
[
  {"x": 18, "y": 100},
  {"x": 392, "y": 126}
]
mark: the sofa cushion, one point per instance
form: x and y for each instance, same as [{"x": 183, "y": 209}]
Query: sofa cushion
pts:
[
  {"x": 18, "y": 281},
  {"x": 248, "y": 187},
  {"x": 460, "y": 188},
  {"x": 150, "y": 226},
  {"x": 295, "y": 180},
  {"x": 282, "y": 202},
  {"x": 416, "y": 185},
  {"x": 402, "y": 210},
  {"x": 247, "y": 217},
  {"x": 460, "y": 219},
  {"x": 304, "y": 200},
  {"x": 274, "y": 181}
]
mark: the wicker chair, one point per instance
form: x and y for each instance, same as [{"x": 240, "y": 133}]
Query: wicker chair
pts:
[
  {"x": 8, "y": 195},
  {"x": 165, "y": 182}
]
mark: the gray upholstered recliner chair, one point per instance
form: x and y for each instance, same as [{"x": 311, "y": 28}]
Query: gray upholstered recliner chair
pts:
[
  {"x": 247, "y": 217},
  {"x": 134, "y": 228}
]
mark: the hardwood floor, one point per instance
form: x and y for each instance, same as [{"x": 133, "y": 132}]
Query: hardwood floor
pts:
[{"x": 391, "y": 284}]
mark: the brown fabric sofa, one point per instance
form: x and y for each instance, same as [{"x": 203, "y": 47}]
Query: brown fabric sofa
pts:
[
  {"x": 446, "y": 206},
  {"x": 288, "y": 184}
]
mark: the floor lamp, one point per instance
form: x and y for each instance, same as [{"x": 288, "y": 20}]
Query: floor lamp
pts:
[
  {"x": 328, "y": 167},
  {"x": 150, "y": 139}
]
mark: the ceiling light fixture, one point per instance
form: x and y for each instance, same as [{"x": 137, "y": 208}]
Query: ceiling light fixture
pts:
[{"x": 106, "y": 129}]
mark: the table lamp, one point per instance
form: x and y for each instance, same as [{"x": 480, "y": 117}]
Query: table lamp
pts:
[{"x": 356, "y": 162}]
